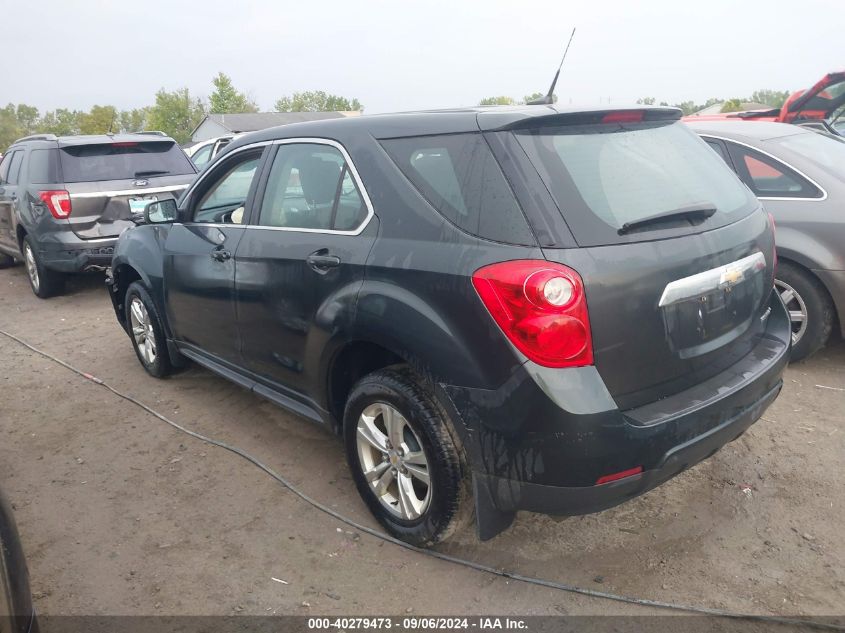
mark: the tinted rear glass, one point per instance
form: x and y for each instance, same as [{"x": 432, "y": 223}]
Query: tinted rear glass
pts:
[
  {"x": 604, "y": 176},
  {"x": 44, "y": 166},
  {"x": 459, "y": 177},
  {"x": 123, "y": 161},
  {"x": 825, "y": 151}
]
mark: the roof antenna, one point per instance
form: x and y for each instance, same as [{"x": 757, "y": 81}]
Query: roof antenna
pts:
[{"x": 549, "y": 99}]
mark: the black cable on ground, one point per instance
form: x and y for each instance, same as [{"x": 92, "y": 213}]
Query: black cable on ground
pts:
[{"x": 551, "y": 584}]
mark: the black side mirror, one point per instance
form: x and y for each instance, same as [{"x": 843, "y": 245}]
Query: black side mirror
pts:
[{"x": 160, "y": 212}]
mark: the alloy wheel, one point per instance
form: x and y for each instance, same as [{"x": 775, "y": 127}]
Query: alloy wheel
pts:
[
  {"x": 142, "y": 330},
  {"x": 31, "y": 267},
  {"x": 796, "y": 307},
  {"x": 393, "y": 461}
]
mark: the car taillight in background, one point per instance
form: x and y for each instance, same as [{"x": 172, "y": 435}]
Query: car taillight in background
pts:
[
  {"x": 541, "y": 308},
  {"x": 58, "y": 203}
]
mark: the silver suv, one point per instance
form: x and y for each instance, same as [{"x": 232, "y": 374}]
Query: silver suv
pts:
[{"x": 65, "y": 200}]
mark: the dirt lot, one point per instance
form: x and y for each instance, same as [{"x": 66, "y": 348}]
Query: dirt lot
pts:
[{"x": 121, "y": 514}]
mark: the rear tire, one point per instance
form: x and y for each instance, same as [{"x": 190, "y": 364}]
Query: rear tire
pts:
[
  {"x": 6, "y": 261},
  {"x": 810, "y": 309},
  {"x": 45, "y": 283},
  {"x": 424, "y": 495},
  {"x": 146, "y": 331}
]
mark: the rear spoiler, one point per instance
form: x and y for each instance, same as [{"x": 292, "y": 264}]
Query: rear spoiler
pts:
[{"x": 501, "y": 121}]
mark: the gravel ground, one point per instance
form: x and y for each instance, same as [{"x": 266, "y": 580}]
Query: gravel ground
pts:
[{"x": 121, "y": 514}]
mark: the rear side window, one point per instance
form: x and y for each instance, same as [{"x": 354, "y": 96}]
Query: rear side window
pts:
[
  {"x": 459, "y": 177},
  {"x": 123, "y": 161},
  {"x": 44, "y": 166},
  {"x": 769, "y": 178},
  {"x": 310, "y": 186},
  {"x": 14, "y": 167},
  {"x": 604, "y": 176}
]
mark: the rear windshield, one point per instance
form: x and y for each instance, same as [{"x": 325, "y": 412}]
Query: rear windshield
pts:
[
  {"x": 604, "y": 176},
  {"x": 123, "y": 161}
]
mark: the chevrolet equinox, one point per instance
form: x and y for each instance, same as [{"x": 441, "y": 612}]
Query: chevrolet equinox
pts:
[{"x": 504, "y": 309}]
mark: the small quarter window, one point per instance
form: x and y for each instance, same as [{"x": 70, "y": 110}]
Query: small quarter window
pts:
[
  {"x": 769, "y": 178},
  {"x": 44, "y": 166}
]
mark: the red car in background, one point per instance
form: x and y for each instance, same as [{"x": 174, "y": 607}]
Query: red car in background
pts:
[{"x": 821, "y": 108}]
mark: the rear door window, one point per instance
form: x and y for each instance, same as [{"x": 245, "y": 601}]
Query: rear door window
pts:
[
  {"x": 770, "y": 178},
  {"x": 123, "y": 161},
  {"x": 604, "y": 176},
  {"x": 459, "y": 176},
  {"x": 311, "y": 187}
]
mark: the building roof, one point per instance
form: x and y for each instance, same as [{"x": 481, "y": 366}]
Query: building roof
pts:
[{"x": 254, "y": 121}]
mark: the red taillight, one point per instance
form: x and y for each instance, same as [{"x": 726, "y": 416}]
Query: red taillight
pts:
[
  {"x": 620, "y": 475},
  {"x": 124, "y": 144},
  {"x": 58, "y": 202},
  {"x": 541, "y": 308},
  {"x": 624, "y": 116}
]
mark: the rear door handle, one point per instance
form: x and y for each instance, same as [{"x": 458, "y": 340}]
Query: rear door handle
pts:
[
  {"x": 321, "y": 261},
  {"x": 221, "y": 255}
]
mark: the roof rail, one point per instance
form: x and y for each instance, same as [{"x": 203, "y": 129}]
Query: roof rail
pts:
[
  {"x": 38, "y": 137},
  {"x": 152, "y": 132}
]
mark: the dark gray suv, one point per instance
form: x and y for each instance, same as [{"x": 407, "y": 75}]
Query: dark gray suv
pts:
[
  {"x": 65, "y": 200},
  {"x": 503, "y": 309}
]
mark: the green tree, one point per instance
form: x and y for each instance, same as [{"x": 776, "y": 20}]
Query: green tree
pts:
[
  {"x": 99, "y": 120},
  {"x": 488, "y": 101},
  {"x": 27, "y": 118},
  {"x": 317, "y": 101},
  {"x": 732, "y": 105},
  {"x": 10, "y": 128},
  {"x": 176, "y": 114},
  {"x": 773, "y": 98},
  {"x": 226, "y": 99},
  {"x": 687, "y": 107},
  {"x": 649, "y": 101},
  {"x": 60, "y": 122},
  {"x": 537, "y": 95},
  {"x": 134, "y": 120}
]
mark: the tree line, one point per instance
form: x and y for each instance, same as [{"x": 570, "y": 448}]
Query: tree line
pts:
[
  {"x": 771, "y": 98},
  {"x": 176, "y": 113}
]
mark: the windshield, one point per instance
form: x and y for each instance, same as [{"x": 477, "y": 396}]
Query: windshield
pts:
[
  {"x": 825, "y": 151},
  {"x": 123, "y": 161},
  {"x": 606, "y": 176}
]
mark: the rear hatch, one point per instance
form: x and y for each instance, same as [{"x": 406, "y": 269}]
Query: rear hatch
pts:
[
  {"x": 109, "y": 182},
  {"x": 821, "y": 101},
  {"x": 675, "y": 253}
]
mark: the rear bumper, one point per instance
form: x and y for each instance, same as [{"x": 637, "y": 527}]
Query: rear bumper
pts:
[
  {"x": 70, "y": 254},
  {"x": 544, "y": 439}
]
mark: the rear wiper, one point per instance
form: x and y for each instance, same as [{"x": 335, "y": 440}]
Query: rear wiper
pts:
[
  {"x": 151, "y": 172},
  {"x": 692, "y": 212}
]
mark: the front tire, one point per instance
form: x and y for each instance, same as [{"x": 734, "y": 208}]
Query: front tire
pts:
[
  {"x": 146, "y": 331},
  {"x": 45, "y": 283},
  {"x": 810, "y": 308},
  {"x": 405, "y": 458}
]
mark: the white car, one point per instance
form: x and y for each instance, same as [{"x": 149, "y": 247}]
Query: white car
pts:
[{"x": 201, "y": 153}]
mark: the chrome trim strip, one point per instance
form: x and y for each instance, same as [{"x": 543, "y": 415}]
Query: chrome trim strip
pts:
[
  {"x": 778, "y": 160},
  {"x": 127, "y": 192},
  {"x": 701, "y": 283}
]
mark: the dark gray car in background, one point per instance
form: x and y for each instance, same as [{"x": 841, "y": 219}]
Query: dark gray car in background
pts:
[
  {"x": 65, "y": 200},
  {"x": 799, "y": 175}
]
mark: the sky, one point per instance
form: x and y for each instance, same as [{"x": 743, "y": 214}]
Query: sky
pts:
[{"x": 405, "y": 55}]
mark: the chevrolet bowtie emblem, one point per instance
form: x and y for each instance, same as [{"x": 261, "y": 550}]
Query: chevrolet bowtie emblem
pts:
[{"x": 731, "y": 277}]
